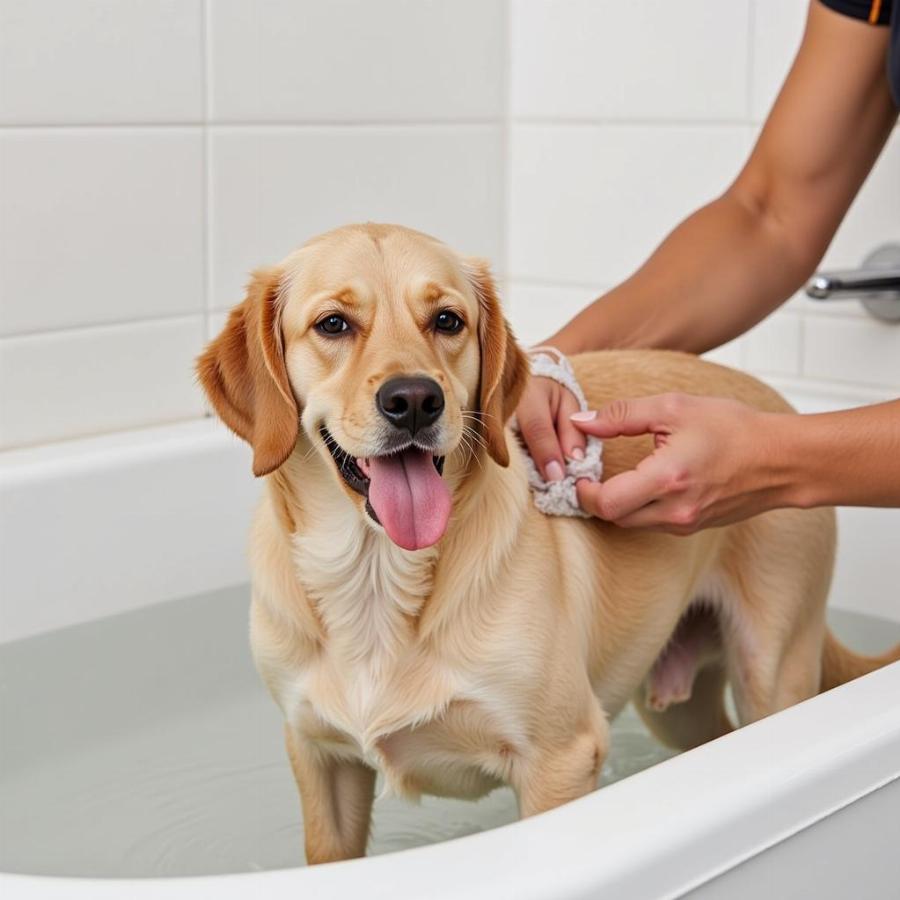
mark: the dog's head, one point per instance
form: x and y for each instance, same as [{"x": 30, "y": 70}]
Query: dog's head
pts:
[{"x": 389, "y": 351}]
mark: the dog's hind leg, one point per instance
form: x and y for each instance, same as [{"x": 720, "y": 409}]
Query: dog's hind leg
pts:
[
  {"x": 337, "y": 796},
  {"x": 785, "y": 670},
  {"x": 773, "y": 624}
]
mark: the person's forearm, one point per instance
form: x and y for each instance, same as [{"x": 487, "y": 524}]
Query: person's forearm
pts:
[
  {"x": 717, "y": 274},
  {"x": 846, "y": 458},
  {"x": 732, "y": 262}
]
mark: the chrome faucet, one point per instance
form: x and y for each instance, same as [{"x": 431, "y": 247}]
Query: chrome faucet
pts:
[{"x": 876, "y": 284}]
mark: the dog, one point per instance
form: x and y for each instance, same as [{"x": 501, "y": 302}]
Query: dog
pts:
[{"x": 412, "y": 611}]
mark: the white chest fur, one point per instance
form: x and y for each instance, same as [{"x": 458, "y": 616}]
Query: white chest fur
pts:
[{"x": 367, "y": 592}]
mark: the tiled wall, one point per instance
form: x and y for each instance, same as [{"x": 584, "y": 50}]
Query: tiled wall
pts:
[
  {"x": 628, "y": 116},
  {"x": 152, "y": 152}
]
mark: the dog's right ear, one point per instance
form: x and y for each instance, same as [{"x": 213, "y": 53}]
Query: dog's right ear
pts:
[{"x": 244, "y": 375}]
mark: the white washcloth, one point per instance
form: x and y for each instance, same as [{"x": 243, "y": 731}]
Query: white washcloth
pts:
[{"x": 558, "y": 498}]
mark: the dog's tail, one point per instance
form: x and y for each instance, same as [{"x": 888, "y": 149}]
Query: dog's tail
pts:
[{"x": 840, "y": 664}]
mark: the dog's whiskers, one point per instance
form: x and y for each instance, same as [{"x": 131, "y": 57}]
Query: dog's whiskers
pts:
[
  {"x": 480, "y": 415},
  {"x": 470, "y": 438},
  {"x": 312, "y": 449},
  {"x": 468, "y": 429},
  {"x": 474, "y": 436}
]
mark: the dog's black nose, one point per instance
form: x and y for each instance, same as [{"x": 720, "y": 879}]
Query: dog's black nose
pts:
[{"x": 410, "y": 403}]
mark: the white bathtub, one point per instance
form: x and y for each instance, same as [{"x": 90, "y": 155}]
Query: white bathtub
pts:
[{"x": 805, "y": 803}]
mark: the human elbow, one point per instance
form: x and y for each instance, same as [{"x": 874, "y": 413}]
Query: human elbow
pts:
[{"x": 789, "y": 226}]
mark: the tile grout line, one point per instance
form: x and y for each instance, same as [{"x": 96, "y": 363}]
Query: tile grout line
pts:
[
  {"x": 607, "y": 121},
  {"x": 207, "y": 186},
  {"x": 205, "y": 121},
  {"x": 751, "y": 57},
  {"x": 506, "y": 144},
  {"x": 422, "y": 122},
  {"x": 105, "y": 325},
  {"x": 206, "y": 12}
]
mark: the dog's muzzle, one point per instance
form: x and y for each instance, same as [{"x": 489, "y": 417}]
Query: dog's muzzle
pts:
[{"x": 410, "y": 403}]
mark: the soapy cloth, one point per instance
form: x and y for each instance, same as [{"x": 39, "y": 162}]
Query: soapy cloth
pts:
[{"x": 558, "y": 498}]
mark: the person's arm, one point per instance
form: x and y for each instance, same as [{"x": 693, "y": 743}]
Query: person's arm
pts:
[
  {"x": 735, "y": 260},
  {"x": 718, "y": 461},
  {"x": 732, "y": 262}
]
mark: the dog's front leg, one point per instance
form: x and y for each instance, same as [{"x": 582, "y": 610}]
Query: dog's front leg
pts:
[
  {"x": 336, "y": 796},
  {"x": 556, "y": 774}
]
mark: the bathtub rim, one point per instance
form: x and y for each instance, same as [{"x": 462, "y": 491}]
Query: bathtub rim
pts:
[{"x": 756, "y": 787}]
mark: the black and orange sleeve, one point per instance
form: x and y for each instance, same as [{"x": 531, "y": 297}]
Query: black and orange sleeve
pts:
[{"x": 875, "y": 12}]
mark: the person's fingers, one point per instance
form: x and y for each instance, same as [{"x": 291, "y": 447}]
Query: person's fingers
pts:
[
  {"x": 631, "y": 417},
  {"x": 572, "y": 440},
  {"x": 539, "y": 433},
  {"x": 675, "y": 516},
  {"x": 625, "y": 493}
]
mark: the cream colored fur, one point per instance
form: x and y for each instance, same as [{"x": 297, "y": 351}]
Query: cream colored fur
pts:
[{"x": 500, "y": 654}]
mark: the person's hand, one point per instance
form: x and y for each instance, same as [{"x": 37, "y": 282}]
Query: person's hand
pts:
[
  {"x": 716, "y": 461},
  {"x": 544, "y": 417}
]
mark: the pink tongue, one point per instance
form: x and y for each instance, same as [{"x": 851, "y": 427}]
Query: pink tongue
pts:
[{"x": 409, "y": 497}]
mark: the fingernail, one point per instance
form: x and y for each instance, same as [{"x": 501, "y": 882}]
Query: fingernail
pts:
[
  {"x": 554, "y": 471},
  {"x": 577, "y": 453},
  {"x": 587, "y": 415}
]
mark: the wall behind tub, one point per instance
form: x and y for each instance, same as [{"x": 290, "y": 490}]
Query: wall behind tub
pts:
[
  {"x": 153, "y": 152},
  {"x": 625, "y": 117}
]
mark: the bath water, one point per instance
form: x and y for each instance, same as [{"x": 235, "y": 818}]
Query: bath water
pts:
[{"x": 144, "y": 745}]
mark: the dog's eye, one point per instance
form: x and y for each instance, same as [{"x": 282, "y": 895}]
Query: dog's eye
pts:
[
  {"x": 332, "y": 324},
  {"x": 448, "y": 322}
]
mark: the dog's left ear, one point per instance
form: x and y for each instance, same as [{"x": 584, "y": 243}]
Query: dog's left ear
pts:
[
  {"x": 244, "y": 375},
  {"x": 504, "y": 367}
]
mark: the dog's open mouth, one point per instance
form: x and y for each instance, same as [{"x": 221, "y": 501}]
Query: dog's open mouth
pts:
[{"x": 404, "y": 491}]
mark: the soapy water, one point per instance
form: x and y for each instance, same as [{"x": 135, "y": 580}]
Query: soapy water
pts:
[{"x": 143, "y": 745}]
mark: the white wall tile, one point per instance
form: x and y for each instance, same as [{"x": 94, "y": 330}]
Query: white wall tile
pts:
[
  {"x": 215, "y": 322},
  {"x": 88, "y": 381},
  {"x": 99, "y": 225},
  {"x": 862, "y": 351},
  {"x": 777, "y": 31},
  {"x": 588, "y": 204},
  {"x": 839, "y": 308},
  {"x": 272, "y": 189},
  {"x": 537, "y": 311},
  {"x": 868, "y": 565},
  {"x": 732, "y": 354},
  {"x": 774, "y": 346},
  {"x": 653, "y": 59},
  {"x": 874, "y": 217},
  {"x": 294, "y": 60},
  {"x": 809, "y": 395},
  {"x": 106, "y": 61}
]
